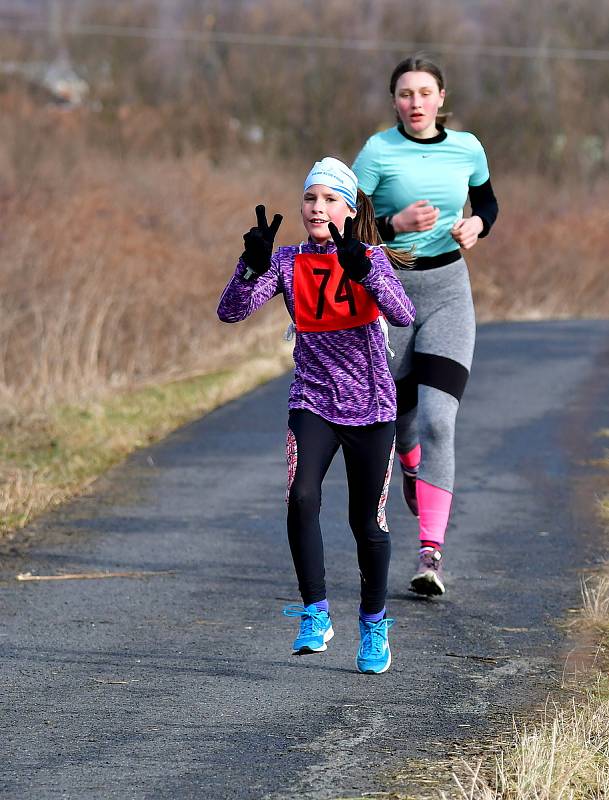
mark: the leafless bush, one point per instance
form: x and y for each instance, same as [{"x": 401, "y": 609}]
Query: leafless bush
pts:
[
  {"x": 110, "y": 272},
  {"x": 535, "y": 109},
  {"x": 544, "y": 257},
  {"x": 111, "y": 266}
]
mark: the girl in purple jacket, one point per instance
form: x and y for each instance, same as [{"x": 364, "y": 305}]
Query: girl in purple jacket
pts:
[{"x": 338, "y": 293}]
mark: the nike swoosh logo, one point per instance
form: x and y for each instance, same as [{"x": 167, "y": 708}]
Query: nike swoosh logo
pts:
[{"x": 426, "y": 156}]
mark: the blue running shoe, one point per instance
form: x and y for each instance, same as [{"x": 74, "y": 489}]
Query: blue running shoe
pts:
[
  {"x": 374, "y": 655},
  {"x": 315, "y": 628}
]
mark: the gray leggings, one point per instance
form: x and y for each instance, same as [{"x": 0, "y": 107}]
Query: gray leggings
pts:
[{"x": 432, "y": 361}]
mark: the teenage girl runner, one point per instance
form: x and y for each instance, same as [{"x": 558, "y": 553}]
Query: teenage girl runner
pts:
[
  {"x": 336, "y": 290},
  {"x": 419, "y": 175}
]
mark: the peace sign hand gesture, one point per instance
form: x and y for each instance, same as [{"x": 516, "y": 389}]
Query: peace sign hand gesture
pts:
[
  {"x": 259, "y": 244},
  {"x": 351, "y": 252}
]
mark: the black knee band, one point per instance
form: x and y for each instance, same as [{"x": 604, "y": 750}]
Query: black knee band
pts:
[{"x": 441, "y": 373}]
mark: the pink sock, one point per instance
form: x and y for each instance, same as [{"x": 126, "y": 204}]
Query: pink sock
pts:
[
  {"x": 434, "y": 508},
  {"x": 412, "y": 458}
]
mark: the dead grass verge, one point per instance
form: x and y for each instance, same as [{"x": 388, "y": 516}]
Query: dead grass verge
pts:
[
  {"x": 595, "y": 598},
  {"x": 565, "y": 755},
  {"x": 560, "y": 754},
  {"x": 48, "y": 457}
]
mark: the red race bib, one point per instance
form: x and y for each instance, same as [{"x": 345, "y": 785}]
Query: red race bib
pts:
[{"x": 325, "y": 299}]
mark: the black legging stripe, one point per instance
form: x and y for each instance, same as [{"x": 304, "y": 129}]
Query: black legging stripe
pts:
[{"x": 429, "y": 369}]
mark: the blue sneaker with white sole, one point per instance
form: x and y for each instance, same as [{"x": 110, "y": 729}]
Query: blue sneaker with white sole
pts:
[
  {"x": 315, "y": 629},
  {"x": 374, "y": 655}
]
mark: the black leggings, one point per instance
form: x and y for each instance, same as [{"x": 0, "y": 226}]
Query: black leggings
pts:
[{"x": 368, "y": 452}]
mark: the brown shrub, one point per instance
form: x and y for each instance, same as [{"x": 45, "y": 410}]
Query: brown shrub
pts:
[
  {"x": 111, "y": 269},
  {"x": 111, "y": 272},
  {"x": 545, "y": 256}
]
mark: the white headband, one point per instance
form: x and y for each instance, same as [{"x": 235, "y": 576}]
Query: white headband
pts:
[{"x": 337, "y": 176}]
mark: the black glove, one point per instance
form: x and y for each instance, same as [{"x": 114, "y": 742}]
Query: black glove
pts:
[
  {"x": 351, "y": 252},
  {"x": 259, "y": 244}
]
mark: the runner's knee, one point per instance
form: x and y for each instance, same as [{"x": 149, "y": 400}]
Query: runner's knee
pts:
[
  {"x": 437, "y": 429},
  {"x": 368, "y": 530},
  {"x": 304, "y": 498}
]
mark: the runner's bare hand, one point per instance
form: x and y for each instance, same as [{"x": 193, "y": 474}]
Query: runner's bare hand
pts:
[
  {"x": 418, "y": 216},
  {"x": 466, "y": 231}
]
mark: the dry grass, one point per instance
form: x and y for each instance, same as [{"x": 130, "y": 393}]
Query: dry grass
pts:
[
  {"x": 110, "y": 268},
  {"x": 603, "y": 502},
  {"x": 603, "y": 508},
  {"x": 105, "y": 280},
  {"x": 110, "y": 274},
  {"x": 48, "y": 458},
  {"x": 545, "y": 256},
  {"x": 595, "y": 597},
  {"x": 565, "y": 756},
  {"x": 110, "y": 271},
  {"x": 116, "y": 281}
]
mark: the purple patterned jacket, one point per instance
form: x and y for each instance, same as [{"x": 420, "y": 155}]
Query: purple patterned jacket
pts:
[{"x": 341, "y": 375}]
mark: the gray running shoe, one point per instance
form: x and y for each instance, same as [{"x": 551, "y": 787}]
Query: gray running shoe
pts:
[
  {"x": 409, "y": 490},
  {"x": 428, "y": 579}
]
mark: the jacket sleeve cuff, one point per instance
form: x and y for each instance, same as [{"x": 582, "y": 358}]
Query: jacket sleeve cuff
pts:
[{"x": 385, "y": 228}]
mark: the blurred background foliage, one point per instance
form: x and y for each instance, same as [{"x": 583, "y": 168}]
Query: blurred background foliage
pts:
[
  {"x": 137, "y": 137},
  {"x": 299, "y": 78}
]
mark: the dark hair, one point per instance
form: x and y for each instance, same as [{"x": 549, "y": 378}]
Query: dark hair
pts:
[
  {"x": 419, "y": 62},
  {"x": 366, "y": 231},
  {"x": 416, "y": 63}
]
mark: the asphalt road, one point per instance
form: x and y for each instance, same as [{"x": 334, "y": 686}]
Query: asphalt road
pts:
[{"x": 183, "y": 686}]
